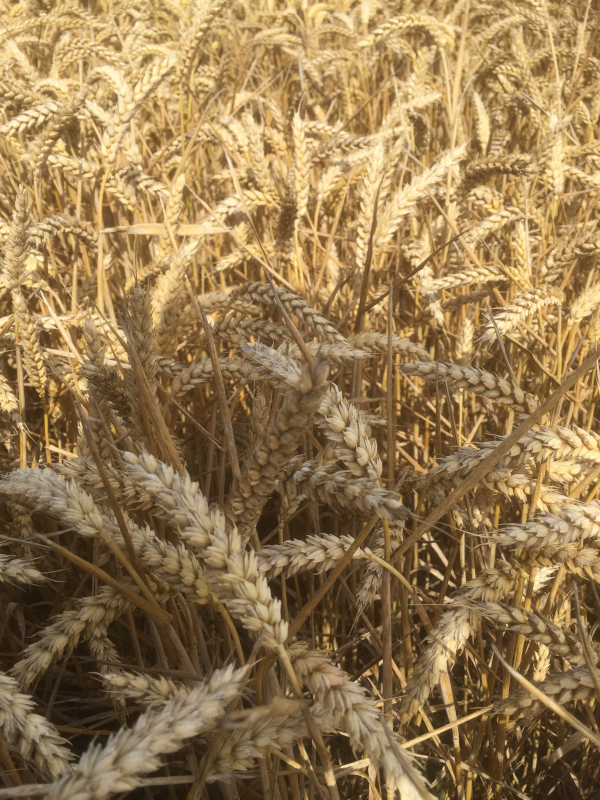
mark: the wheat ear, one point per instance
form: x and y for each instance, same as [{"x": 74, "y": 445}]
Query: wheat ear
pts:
[
  {"x": 454, "y": 628},
  {"x": 559, "y": 641},
  {"x": 345, "y": 424},
  {"x": 562, "y": 687},
  {"x": 522, "y": 307},
  {"x": 133, "y": 752},
  {"x": 356, "y": 714},
  {"x": 327, "y": 484},
  {"x": 263, "y": 294},
  {"x": 18, "y": 571},
  {"x": 478, "y": 381},
  {"x": 280, "y": 439},
  {"x": 36, "y": 738}
]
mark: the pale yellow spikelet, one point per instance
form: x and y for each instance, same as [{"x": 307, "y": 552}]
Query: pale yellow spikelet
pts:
[
  {"x": 482, "y": 123},
  {"x": 301, "y": 165},
  {"x": 406, "y": 197},
  {"x": 464, "y": 342},
  {"x": 585, "y": 304},
  {"x": 371, "y": 186},
  {"x": 33, "y": 360},
  {"x": 522, "y": 307}
]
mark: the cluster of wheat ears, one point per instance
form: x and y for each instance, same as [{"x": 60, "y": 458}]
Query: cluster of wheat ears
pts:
[{"x": 300, "y": 313}]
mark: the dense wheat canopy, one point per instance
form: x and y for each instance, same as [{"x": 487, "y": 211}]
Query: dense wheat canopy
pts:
[{"x": 299, "y": 314}]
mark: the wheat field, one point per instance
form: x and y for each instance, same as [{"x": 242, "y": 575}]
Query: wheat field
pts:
[{"x": 299, "y": 315}]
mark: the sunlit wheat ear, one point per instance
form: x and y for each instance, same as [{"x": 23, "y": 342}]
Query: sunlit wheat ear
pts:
[
  {"x": 248, "y": 735},
  {"x": 357, "y": 715},
  {"x": 33, "y": 360},
  {"x": 301, "y": 166},
  {"x": 405, "y": 198},
  {"x": 55, "y": 131},
  {"x": 35, "y": 738},
  {"x": 133, "y": 752},
  {"x": 372, "y": 184},
  {"x": 9, "y": 403},
  {"x": 482, "y": 124},
  {"x": 522, "y": 307},
  {"x": 260, "y": 293},
  {"x": 148, "y": 691},
  {"x": 328, "y": 484},
  {"x": 345, "y": 424},
  {"x": 557, "y": 640},
  {"x": 68, "y": 628},
  {"x": 464, "y": 344},
  {"x": 374, "y": 342},
  {"x": 454, "y": 628},
  {"x": 173, "y": 209},
  {"x": 475, "y": 380},
  {"x": 32, "y": 118},
  {"x": 18, "y": 571},
  {"x": 168, "y": 299},
  {"x": 279, "y": 441},
  {"x": 562, "y": 687},
  {"x": 16, "y": 253}
]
